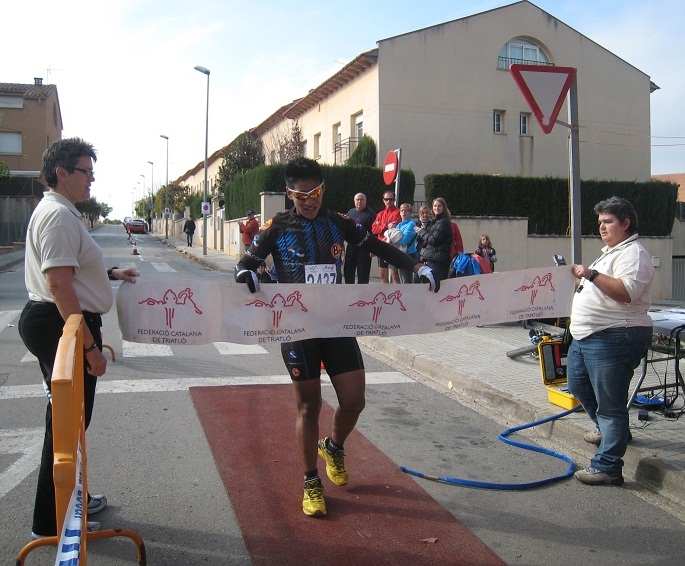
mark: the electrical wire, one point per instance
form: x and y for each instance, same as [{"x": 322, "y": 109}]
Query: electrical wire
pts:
[{"x": 510, "y": 486}]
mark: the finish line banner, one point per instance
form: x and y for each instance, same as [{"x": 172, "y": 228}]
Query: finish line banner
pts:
[{"x": 169, "y": 311}]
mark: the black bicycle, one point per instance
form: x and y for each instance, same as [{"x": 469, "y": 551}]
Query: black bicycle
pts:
[{"x": 536, "y": 335}]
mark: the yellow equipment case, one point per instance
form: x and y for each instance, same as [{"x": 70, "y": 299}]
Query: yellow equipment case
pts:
[{"x": 553, "y": 354}]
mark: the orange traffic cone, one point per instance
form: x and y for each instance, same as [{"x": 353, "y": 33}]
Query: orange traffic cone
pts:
[{"x": 135, "y": 249}]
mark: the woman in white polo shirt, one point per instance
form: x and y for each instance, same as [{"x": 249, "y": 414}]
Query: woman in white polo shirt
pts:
[
  {"x": 65, "y": 275},
  {"x": 611, "y": 331}
]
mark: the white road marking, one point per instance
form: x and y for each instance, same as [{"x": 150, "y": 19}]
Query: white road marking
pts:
[
  {"x": 183, "y": 383},
  {"x": 7, "y": 318},
  {"x": 28, "y": 443},
  {"x": 163, "y": 267},
  {"x": 29, "y": 357},
  {"x": 230, "y": 348},
  {"x": 135, "y": 350}
]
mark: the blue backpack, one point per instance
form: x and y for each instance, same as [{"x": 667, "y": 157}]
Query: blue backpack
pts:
[{"x": 463, "y": 265}]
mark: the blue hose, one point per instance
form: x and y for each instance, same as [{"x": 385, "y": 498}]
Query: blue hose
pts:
[{"x": 509, "y": 486}]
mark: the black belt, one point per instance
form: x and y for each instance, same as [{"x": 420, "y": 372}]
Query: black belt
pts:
[{"x": 91, "y": 318}]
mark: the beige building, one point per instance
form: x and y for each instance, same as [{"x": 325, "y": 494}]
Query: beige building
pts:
[
  {"x": 30, "y": 121},
  {"x": 444, "y": 95}
]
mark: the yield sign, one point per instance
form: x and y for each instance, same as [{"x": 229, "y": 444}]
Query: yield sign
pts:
[{"x": 544, "y": 89}]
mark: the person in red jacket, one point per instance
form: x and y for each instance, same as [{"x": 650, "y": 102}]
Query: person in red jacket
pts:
[
  {"x": 249, "y": 229},
  {"x": 389, "y": 217}
]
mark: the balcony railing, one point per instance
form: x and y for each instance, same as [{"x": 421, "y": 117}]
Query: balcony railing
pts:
[
  {"x": 343, "y": 149},
  {"x": 503, "y": 63}
]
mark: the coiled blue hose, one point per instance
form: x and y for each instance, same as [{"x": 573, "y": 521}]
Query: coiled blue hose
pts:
[{"x": 510, "y": 486}]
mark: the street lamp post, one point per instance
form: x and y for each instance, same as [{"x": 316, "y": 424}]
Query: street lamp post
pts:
[
  {"x": 152, "y": 188},
  {"x": 204, "y": 214},
  {"x": 166, "y": 190},
  {"x": 143, "y": 195}
]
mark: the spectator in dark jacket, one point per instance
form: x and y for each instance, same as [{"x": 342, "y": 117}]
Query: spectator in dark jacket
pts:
[
  {"x": 358, "y": 261},
  {"x": 437, "y": 239}
]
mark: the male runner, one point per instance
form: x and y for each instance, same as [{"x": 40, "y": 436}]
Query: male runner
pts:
[{"x": 302, "y": 242}]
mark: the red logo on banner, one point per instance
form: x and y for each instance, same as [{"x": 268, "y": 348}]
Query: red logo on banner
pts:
[
  {"x": 379, "y": 301},
  {"x": 278, "y": 303},
  {"x": 171, "y": 300},
  {"x": 536, "y": 284}
]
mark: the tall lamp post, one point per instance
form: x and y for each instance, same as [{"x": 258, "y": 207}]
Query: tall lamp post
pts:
[
  {"x": 205, "y": 71},
  {"x": 152, "y": 188},
  {"x": 142, "y": 198},
  {"x": 166, "y": 190}
]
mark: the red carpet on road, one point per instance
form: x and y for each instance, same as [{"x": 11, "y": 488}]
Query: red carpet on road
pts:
[{"x": 381, "y": 517}]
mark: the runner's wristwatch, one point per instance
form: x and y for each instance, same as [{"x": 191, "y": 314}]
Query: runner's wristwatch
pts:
[{"x": 594, "y": 273}]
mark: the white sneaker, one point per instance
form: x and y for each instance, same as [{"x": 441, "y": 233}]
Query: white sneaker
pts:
[{"x": 96, "y": 504}]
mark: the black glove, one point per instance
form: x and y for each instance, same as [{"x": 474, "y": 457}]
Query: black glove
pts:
[
  {"x": 249, "y": 277},
  {"x": 426, "y": 275}
]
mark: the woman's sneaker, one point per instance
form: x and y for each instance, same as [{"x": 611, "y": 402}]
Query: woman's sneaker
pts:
[
  {"x": 593, "y": 476},
  {"x": 594, "y": 437},
  {"x": 96, "y": 504}
]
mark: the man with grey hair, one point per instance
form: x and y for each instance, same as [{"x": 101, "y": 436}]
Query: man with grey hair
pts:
[{"x": 357, "y": 260}]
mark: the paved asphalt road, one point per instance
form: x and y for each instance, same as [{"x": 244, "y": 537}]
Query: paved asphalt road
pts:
[{"x": 148, "y": 453}]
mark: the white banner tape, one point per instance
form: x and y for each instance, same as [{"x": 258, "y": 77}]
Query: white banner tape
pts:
[
  {"x": 167, "y": 311},
  {"x": 69, "y": 548}
]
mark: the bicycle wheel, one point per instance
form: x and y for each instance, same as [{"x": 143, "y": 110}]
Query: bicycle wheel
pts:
[{"x": 518, "y": 352}]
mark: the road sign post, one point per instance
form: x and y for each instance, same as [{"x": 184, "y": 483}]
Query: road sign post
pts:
[
  {"x": 545, "y": 89},
  {"x": 391, "y": 171}
]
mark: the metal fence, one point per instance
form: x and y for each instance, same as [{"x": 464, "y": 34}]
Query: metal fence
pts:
[
  {"x": 678, "y": 292},
  {"x": 14, "y": 218}
]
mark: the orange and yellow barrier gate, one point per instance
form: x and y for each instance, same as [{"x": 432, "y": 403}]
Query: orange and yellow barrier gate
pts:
[{"x": 70, "y": 463}]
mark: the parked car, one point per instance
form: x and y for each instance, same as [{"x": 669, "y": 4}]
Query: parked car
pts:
[{"x": 136, "y": 226}]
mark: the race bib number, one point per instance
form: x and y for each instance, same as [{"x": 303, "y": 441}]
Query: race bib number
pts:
[{"x": 318, "y": 274}]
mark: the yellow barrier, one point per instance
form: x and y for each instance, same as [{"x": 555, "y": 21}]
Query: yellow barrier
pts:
[{"x": 68, "y": 430}]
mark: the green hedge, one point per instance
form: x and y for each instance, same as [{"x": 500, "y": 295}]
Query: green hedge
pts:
[
  {"x": 342, "y": 183},
  {"x": 545, "y": 201}
]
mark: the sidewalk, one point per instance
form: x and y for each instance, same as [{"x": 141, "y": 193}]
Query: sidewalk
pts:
[{"x": 470, "y": 364}]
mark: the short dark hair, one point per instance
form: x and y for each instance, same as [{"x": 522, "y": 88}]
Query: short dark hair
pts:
[
  {"x": 65, "y": 153},
  {"x": 302, "y": 169},
  {"x": 621, "y": 209}
]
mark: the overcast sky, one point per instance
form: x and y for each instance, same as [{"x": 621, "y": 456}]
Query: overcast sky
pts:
[{"x": 125, "y": 73}]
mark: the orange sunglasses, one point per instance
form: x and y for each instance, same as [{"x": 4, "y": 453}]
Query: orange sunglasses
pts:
[{"x": 314, "y": 193}]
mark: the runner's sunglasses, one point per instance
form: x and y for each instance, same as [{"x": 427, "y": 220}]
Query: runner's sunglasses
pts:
[{"x": 314, "y": 193}]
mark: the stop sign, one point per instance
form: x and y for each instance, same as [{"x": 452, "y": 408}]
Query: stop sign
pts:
[{"x": 390, "y": 168}]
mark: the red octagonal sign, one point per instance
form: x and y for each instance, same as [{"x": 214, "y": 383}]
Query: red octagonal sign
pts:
[{"x": 390, "y": 168}]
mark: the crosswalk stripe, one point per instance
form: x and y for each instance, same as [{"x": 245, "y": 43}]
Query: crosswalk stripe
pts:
[
  {"x": 230, "y": 348},
  {"x": 7, "y": 318},
  {"x": 183, "y": 383},
  {"x": 27, "y": 442},
  {"x": 135, "y": 350},
  {"x": 163, "y": 267}
]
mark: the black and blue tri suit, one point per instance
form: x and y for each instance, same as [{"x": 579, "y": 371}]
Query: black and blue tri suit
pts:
[{"x": 293, "y": 242}]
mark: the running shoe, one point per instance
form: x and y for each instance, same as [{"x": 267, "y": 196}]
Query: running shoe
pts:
[
  {"x": 96, "y": 504},
  {"x": 313, "y": 503},
  {"x": 335, "y": 463}
]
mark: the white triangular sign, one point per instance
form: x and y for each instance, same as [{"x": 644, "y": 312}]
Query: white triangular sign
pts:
[{"x": 544, "y": 89}]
